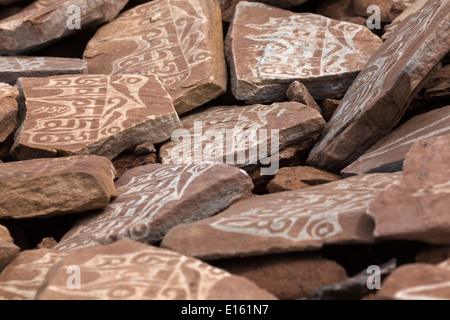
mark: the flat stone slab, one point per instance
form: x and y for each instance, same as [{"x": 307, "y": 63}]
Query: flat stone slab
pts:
[
  {"x": 388, "y": 154},
  {"x": 268, "y": 48},
  {"x": 8, "y": 250},
  {"x": 8, "y": 110},
  {"x": 249, "y": 127},
  {"x": 128, "y": 270},
  {"x": 92, "y": 114},
  {"x": 154, "y": 198},
  {"x": 12, "y": 68},
  {"x": 381, "y": 93},
  {"x": 48, "y": 187},
  {"x": 181, "y": 42},
  {"x": 22, "y": 278},
  {"x": 412, "y": 9},
  {"x": 334, "y": 213},
  {"x": 44, "y": 21},
  {"x": 416, "y": 206}
]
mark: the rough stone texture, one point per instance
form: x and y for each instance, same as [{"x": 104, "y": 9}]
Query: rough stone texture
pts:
[
  {"x": 389, "y": 153},
  {"x": 145, "y": 149},
  {"x": 340, "y": 10},
  {"x": 179, "y": 41},
  {"x": 8, "y": 110},
  {"x": 438, "y": 86},
  {"x": 329, "y": 107},
  {"x": 416, "y": 207},
  {"x": 299, "y": 93},
  {"x": 47, "y": 243},
  {"x": 381, "y": 93},
  {"x": 268, "y": 48},
  {"x": 22, "y": 278},
  {"x": 92, "y": 114},
  {"x": 334, "y": 213},
  {"x": 360, "y": 7},
  {"x": 247, "y": 124},
  {"x": 434, "y": 255},
  {"x": 47, "y": 187},
  {"x": 229, "y": 6},
  {"x": 288, "y": 276},
  {"x": 124, "y": 162},
  {"x": 152, "y": 199},
  {"x": 44, "y": 21},
  {"x": 141, "y": 272},
  {"x": 8, "y": 250},
  {"x": 412, "y": 9},
  {"x": 417, "y": 282},
  {"x": 12, "y": 68},
  {"x": 296, "y": 178}
]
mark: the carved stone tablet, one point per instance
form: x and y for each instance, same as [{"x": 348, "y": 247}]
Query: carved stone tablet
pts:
[
  {"x": 93, "y": 114},
  {"x": 154, "y": 198},
  {"x": 44, "y": 21},
  {"x": 12, "y": 68},
  {"x": 179, "y": 41},
  {"x": 45, "y": 187},
  {"x": 380, "y": 95},
  {"x": 128, "y": 270},
  {"x": 333, "y": 213},
  {"x": 389, "y": 153},
  {"x": 8, "y": 110},
  {"x": 269, "y": 48}
]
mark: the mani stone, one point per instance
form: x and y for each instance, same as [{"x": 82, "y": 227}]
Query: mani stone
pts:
[
  {"x": 381, "y": 93},
  {"x": 12, "y": 68},
  {"x": 8, "y": 250},
  {"x": 22, "y": 277},
  {"x": 181, "y": 42},
  {"x": 389, "y": 153},
  {"x": 44, "y": 21},
  {"x": 334, "y": 213},
  {"x": 296, "y": 178},
  {"x": 268, "y": 48},
  {"x": 417, "y": 281},
  {"x": 288, "y": 276},
  {"x": 229, "y": 6},
  {"x": 412, "y": 9},
  {"x": 92, "y": 114},
  {"x": 416, "y": 206},
  {"x": 250, "y": 127},
  {"x": 8, "y": 110},
  {"x": 154, "y": 198},
  {"x": 129, "y": 270},
  {"x": 48, "y": 187}
]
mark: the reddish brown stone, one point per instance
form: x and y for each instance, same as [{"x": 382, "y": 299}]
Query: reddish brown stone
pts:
[
  {"x": 334, "y": 213},
  {"x": 268, "y": 48},
  {"x": 92, "y": 114},
  {"x": 438, "y": 86},
  {"x": 434, "y": 254},
  {"x": 413, "y": 8},
  {"x": 389, "y": 153},
  {"x": 340, "y": 10},
  {"x": 22, "y": 278},
  {"x": 8, "y": 250},
  {"x": 129, "y": 270},
  {"x": 44, "y": 21},
  {"x": 299, "y": 93},
  {"x": 47, "y": 187},
  {"x": 181, "y": 42},
  {"x": 12, "y": 68},
  {"x": 416, "y": 207},
  {"x": 154, "y": 198},
  {"x": 288, "y": 276},
  {"x": 329, "y": 107},
  {"x": 361, "y": 6},
  {"x": 381, "y": 93},
  {"x": 47, "y": 243},
  {"x": 145, "y": 149},
  {"x": 8, "y": 110},
  {"x": 296, "y": 178},
  {"x": 124, "y": 162}
]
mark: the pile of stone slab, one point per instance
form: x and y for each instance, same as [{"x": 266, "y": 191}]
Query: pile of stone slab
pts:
[{"x": 224, "y": 149}]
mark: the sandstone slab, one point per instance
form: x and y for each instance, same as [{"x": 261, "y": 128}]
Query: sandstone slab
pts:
[
  {"x": 92, "y": 114},
  {"x": 12, "y": 68},
  {"x": 413, "y": 8},
  {"x": 334, "y": 213},
  {"x": 8, "y": 110},
  {"x": 388, "y": 154},
  {"x": 296, "y": 178},
  {"x": 381, "y": 93},
  {"x": 8, "y": 250},
  {"x": 298, "y": 92},
  {"x": 416, "y": 206},
  {"x": 44, "y": 21},
  {"x": 268, "y": 48},
  {"x": 438, "y": 86},
  {"x": 125, "y": 161},
  {"x": 181, "y": 42},
  {"x": 129, "y": 270},
  {"x": 329, "y": 107},
  {"x": 22, "y": 278},
  {"x": 46, "y": 187},
  {"x": 154, "y": 198}
]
